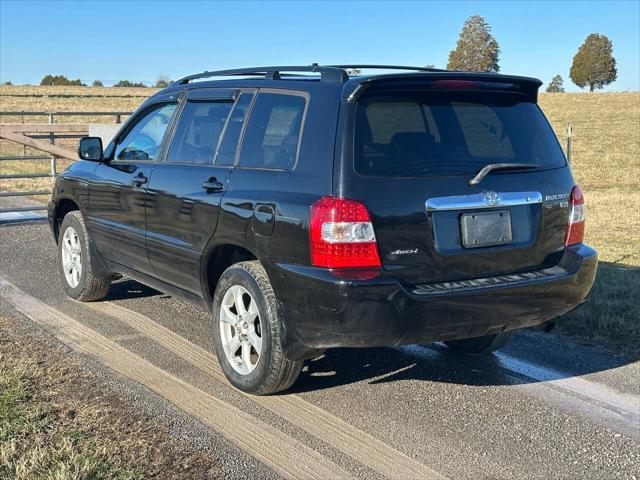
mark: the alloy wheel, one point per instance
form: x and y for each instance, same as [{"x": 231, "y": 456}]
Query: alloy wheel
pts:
[
  {"x": 240, "y": 329},
  {"x": 71, "y": 257}
]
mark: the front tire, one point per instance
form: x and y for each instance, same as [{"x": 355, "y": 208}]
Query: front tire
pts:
[
  {"x": 480, "y": 345},
  {"x": 247, "y": 326},
  {"x": 76, "y": 259}
]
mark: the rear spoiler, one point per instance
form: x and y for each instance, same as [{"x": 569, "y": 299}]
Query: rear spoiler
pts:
[{"x": 528, "y": 86}]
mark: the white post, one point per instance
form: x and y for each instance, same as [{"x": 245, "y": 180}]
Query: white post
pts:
[
  {"x": 569, "y": 135},
  {"x": 52, "y": 141}
]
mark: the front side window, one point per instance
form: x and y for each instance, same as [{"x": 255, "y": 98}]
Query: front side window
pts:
[
  {"x": 198, "y": 132},
  {"x": 143, "y": 141},
  {"x": 450, "y": 133},
  {"x": 273, "y": 132}
]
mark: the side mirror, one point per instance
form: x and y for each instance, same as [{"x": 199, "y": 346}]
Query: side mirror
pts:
[{"x": 90, "y": 148}]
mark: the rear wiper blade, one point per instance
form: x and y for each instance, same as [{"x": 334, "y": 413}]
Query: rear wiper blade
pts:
[{"x": 499, "y": 166}]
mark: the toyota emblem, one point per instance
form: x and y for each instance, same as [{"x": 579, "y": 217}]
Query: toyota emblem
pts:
[{"x": 491, "y": 199}]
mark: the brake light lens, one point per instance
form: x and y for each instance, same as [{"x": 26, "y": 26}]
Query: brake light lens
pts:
[
  {"x": 455, "y": 84},
  {"x": 575, "y": 229},
  {"x": 342, "y": 235}
]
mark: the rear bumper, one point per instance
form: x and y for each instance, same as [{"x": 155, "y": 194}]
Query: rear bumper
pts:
[{"x": 324, "y": 311}]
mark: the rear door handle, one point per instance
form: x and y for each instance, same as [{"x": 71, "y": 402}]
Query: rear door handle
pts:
[
  {"x": 212, "y": 185},
  {"x": 139, "y": 180}
]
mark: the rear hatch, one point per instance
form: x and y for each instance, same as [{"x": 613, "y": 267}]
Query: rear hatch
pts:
[{"x": 415, "y": 151}]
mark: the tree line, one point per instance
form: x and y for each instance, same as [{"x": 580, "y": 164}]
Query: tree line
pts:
[
  {"x": 161, "y": 82},
  {"x": 477, "y": 50}
]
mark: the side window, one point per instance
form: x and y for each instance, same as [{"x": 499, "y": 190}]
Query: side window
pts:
[
  {"x": 143, "y": 141},
  {"x": 198, "y": 132},
  {"x": 228, "y": 146},
  {"x": 273, "y": 132}
]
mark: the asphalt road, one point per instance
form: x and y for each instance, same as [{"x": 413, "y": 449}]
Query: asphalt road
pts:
[{"x": 540, "y": 408}]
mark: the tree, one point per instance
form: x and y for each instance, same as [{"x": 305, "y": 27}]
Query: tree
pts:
[
  {"x": 476, "y": 49},
  {"x": 8, "y": 82},
  {"x": 128, "y": 84},
  {"x": 162, "y": 82},
  {"x": 593, "y": 64},
  {"x": 556, "y": 85},
  {"x": 60, "y": 80},
  {"x": 97, "y": 83}
]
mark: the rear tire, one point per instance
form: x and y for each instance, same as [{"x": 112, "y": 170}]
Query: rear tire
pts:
[
  {"x": 76, "y": 259},
  {"x": 247, "y": 327},
  {"x": 480, "y": 345}
]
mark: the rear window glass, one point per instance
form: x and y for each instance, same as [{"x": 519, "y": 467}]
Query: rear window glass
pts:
[
  {"x": 273, "y": 132},
  {"x": 450, "y": 133}
]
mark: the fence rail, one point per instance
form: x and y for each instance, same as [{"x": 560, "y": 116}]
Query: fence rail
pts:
[
  {"x": 32, "y": 135},
  {"x": 51, "y": 115}
]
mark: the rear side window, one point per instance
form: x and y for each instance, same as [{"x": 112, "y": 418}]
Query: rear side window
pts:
[
  {"x": 198, "y": 132},
  {"x": 228, "y": 146},
  {"x": 450, "y": 133},
  {"x": 273, "y": 132}
]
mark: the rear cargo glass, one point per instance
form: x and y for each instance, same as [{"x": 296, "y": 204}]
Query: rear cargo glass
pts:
[{"x": 450, "y": 133}]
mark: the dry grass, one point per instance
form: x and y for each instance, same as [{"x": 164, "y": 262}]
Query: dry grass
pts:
[
  {"x": 57, "y": 99},
  {"x": 57, "y": 422},
  {"x": 605, "y": 162}
]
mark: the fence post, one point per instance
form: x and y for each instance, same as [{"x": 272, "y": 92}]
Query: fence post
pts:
[
  {"x": 53, "y": 169},
  {"x": 52, "y": 141},
  {"x": 569, "y": 139},
  {"x": 118, "y": 119}
]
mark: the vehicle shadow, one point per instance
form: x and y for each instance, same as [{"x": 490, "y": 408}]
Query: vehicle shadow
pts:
[
  {"x": 126, "y": 288},
  {"x": 435, "y": 363}
]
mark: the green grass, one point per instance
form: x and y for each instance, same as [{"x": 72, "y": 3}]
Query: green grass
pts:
[{"x": 33, "y": 445}]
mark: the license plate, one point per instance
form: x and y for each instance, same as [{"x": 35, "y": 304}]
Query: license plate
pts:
[{"x": 486, "y": 229}]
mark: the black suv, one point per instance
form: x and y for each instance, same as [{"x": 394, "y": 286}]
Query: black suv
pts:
[{"x": 307, "y": 209}]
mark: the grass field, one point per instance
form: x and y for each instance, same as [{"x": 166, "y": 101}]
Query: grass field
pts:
[{"x": 605, "y": 162}]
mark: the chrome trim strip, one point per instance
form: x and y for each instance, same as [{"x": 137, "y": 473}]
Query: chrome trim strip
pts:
[{"x": 485, "y": 199}]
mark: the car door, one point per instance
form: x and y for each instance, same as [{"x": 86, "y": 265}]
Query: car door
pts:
[
  {"x": 264, "y": 196},
  {"x": 186, "y": 188},
  {"x": 119, "y": 186}
]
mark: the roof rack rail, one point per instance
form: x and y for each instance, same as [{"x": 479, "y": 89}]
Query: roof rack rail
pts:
[
  {"x": 327, "y": 73},
  {"x": 392, "y": 67}
]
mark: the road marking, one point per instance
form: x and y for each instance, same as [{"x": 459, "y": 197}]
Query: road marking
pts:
[
  {"x": 359, "y": 445},
  {"x": 625, "y": 405},
  {"x": 126, "y": 337},
  {"x": 287, "y": 456},
  {"x": 599, "y": 402}
]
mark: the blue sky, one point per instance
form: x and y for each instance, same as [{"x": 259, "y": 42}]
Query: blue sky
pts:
[{"x": 139, "y": 40}]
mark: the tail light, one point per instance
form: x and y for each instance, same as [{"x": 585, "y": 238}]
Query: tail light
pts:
[
  {"x": 342, "y": 235},
  {"x": 575, "y": 229}
]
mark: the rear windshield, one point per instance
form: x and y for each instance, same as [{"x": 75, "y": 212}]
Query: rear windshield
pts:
[{"x": 450, "y": 133}]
